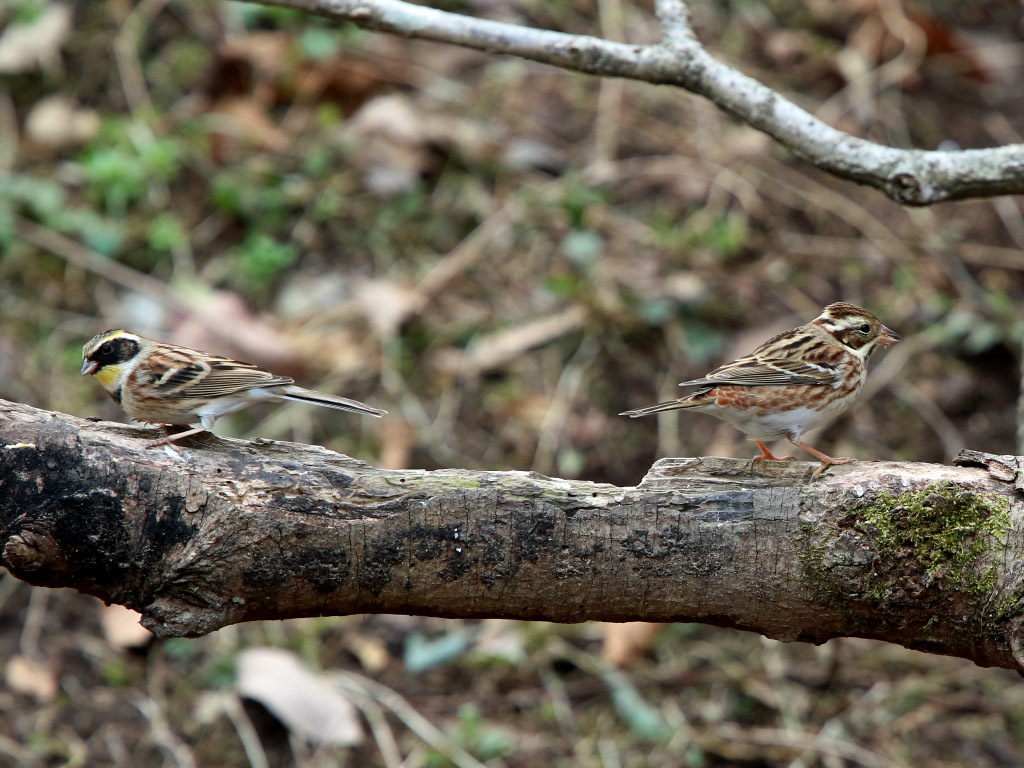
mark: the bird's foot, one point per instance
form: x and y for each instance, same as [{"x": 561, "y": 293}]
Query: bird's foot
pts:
[
  {"x": 826, "y": 460},
  {"x": 765, "y": 455},
  {"x": 829, "y": 461},
  {"x": 166, "y": 440}
]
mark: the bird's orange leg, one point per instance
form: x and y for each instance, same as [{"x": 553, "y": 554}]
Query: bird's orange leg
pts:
[
  {"x": 766, "y": 455},
  {"x": 175, "y": 437},
  {"x": 826, "y": 460}
]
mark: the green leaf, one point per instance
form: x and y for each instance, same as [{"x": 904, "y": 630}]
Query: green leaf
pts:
[
  {"x": 161, "y": 158},
  {"x": 421, "y": 654},
  {"x": 6, "y": 224},
  {"x": 583, "y": 247},
  {"x": 319, "y": 43},
  {"x": 27, "y": 12},
  {"x": 45, "y": 198},
  {"x": 562, "y": 285},
  {"x": 261, "y": 258},
  {"x": 576, "y": 200},
  {"x": 656, "y": 311},
  {"x": 728, "y": 233},
  {"x": 570, "y": 462},
  {"x": 98, "y": 232},
  {"x": 317, "y": 161},
  {"x": 701, "y": 343},
  {"x": 165, "y": 233},
  {"x": 116, "y": 175},
  {"x": 644, "y": 720},
  {"x": 225, "y": 193}
]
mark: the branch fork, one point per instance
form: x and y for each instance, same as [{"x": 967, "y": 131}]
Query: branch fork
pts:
[{"x": 908, "y": 176}]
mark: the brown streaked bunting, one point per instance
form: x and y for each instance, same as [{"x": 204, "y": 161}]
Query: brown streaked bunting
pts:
[
  {"x": 170, "y": 384},
  {"x": 796, "y": 381}
]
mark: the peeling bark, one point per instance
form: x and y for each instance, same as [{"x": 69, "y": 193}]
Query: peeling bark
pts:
[{"x": 923, "y": 555}]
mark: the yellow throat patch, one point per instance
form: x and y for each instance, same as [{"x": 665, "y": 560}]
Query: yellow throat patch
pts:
[{"x": 109, "y": 374}]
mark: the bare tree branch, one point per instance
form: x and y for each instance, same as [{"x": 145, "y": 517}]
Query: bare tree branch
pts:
[
  {"x": 909, "y": 176},
  {"x": 922, "y": 555}
]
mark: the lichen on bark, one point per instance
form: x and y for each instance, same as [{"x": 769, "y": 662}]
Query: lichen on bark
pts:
[{"x": 919, "y": 556}]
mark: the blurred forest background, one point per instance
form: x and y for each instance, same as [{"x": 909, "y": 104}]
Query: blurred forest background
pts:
[{"x": 504, "y": 256}]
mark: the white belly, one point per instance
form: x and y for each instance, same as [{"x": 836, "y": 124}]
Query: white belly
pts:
[{"x": 793, "y": 422}]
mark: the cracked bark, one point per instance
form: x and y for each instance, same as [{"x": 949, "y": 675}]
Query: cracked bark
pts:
[{"x": 922, "y": 555}]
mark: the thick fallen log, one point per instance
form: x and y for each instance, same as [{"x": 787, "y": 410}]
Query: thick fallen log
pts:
[{"x": 924, "y": 555}]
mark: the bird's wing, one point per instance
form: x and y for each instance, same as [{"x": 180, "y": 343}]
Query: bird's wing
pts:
[
  {"x": 753, "y": 371},
  {"x": 208, "y": 376}
]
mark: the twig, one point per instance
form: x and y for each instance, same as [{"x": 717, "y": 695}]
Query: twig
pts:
[
  {"x": 609, "y": 99},
  {"x": 675, "y": 22},
  {"x": 163, "y": 734},
  {"x": 801, "y": 740},
  {"x": 246, "y": 731},
  {"x": 126, "y": 46},
  {"x": 912, "y": 177},
  {"x": 839, "y": 247},
  {"x": 23, "y": 756},
  {"x": 1020, "y": 407},
  {"x": 91, "y": 261},
  {"x": 382, "y": 732},
  {"x": 492, "y": 350},
  {"x": 405, "y": 712},
  {"x": 571, "y": 380},
  {"x": 32, "y": 629},
  {"x": 8, "y": 130}
]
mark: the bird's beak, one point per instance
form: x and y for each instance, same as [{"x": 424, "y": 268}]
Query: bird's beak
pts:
[
  {"x": 89, "y": 366},
  {"x": 888, "y": 336}
]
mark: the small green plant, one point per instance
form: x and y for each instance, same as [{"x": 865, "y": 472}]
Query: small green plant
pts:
[
  {"x": 115, "y": 673},
  {"x": 261, "y": 258},
  {"x": 576, "y": 199},
  {"x": 583, "y": 247},
  {"x": 121, "y": 174},
  {"x": 255, "y": 194},
  {"x": 165, "y": 233},
  {"x": 318, "y": 43},
  {"x": 644, "y": 720},
  {"x": 26, "y": 12},
  {"x": 483, "y": 743}
]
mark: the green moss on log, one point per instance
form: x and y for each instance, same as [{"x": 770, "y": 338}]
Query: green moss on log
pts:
[
  {"x": 918, "y": 557},
  {"x": 945, "y": 532}
]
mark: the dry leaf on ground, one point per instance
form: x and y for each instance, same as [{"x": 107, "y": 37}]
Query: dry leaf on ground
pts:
[
  {"x": 30, "y": 677},
  {"x": 57, "y": 121},
  {"x": 308, "y": 705},
  {"x": 24, "y": 47},
  {"x": 625, "y": 644},
  {"x": 121, "y": 627}
]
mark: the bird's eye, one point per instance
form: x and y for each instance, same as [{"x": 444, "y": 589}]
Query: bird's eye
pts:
[
  {"x": 107, "y": 349},
  {"x": 864, "y": 328}
]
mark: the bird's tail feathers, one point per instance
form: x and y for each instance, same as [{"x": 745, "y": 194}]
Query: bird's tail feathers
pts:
[
  {"x": 300, "y": 395},
  {"x": 671, "y": 405}
]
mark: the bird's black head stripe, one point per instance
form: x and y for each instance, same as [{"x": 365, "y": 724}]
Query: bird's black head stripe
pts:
[{"x": 115, "y": 351}]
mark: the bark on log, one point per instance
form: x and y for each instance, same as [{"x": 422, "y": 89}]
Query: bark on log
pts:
[{"x": 923, "y": 555}]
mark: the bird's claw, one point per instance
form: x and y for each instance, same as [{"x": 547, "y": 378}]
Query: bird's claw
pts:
[
  {"x": 769, "y": 457},
  {"x": 826, "y": 464}
]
